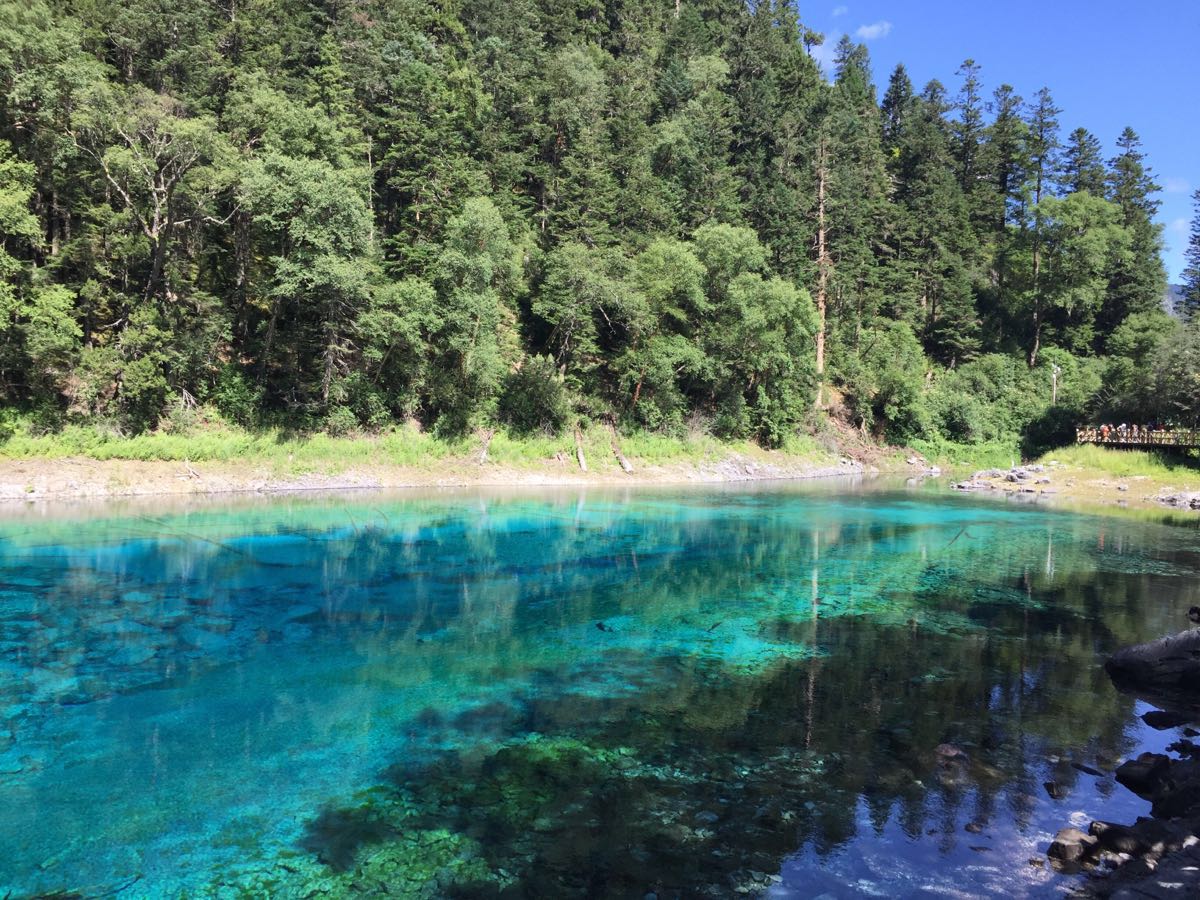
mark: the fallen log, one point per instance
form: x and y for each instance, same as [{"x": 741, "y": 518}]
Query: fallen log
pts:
[
  {"x": 625, "y": 465},
  {"x": 579, "y": 450}
]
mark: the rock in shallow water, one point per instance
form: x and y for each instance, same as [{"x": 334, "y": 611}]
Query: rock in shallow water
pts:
[
  {"x": 1160, "y": 720},
  {"x": 50, "y": 685},
  {"x": 132, "y": 655},
  {"x": 1070, "y": 845},
  {"x": 201, "y": 638}
]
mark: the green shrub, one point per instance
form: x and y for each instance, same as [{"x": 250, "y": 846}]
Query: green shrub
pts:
[
  {"x": 237, "y": 399},
  {"x": 534, "y": 399},
  {"x": 340, "y": 420}
]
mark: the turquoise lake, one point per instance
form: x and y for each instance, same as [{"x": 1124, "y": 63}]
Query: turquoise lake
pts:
[{"x": 822, "y": 690}]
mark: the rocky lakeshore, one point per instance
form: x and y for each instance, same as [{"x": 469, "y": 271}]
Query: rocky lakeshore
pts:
[
  {"x": 1157, "y": 856},
  {"x": 1059, "y": 481},
  {"x": 61, "y": 479}
]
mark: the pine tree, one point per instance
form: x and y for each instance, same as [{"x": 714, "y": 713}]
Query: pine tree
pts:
[
  {"x": 1043, "y": 148},
  {"x": 1043, "y": 144},
  {"x": 940, "y": 239},
  {"x": 1191, "y": 274},
  {"x": 968, "y": 131},
  {"x": 856, "y": 190},
  {"x": 777, "y": 93},
  {"x": 1137, "y": 280},
  {"x": 1082, "y": 164},
  {"x": 1006, "y": 167},
  {"x": 1007, "y": 156},
  {"x": 896, "y": 108}
]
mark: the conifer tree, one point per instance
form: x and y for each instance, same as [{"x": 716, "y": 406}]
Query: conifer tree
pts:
[
  {"x": 1043, "y": 142},
  {"x": 778, "y": 95},
  {"x": 969, "y": 157},
  {"x": 856, "y": 191},
  {"x": 1043, "y": 147},
  {"x": 896, "y": 108},
  {"x": 1138, "y": 279},
  {"x": 1006, "y": 167},
  {"x": 1191, "y": 274},
  {"x": 1082, "y": 164},
  {"x": 943, "y": 314},
  {"x": 1007, "y": 157}
]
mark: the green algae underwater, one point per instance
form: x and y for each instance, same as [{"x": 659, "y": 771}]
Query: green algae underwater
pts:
[{"x": 797, "y": 691}]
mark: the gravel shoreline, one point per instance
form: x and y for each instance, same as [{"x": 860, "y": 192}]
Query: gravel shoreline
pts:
[{"x": 23, "y": 481}]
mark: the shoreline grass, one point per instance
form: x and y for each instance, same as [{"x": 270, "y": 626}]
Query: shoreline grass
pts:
[
  {"x": 1120, "y": 463},
  {"x": 402, "y": 446}
]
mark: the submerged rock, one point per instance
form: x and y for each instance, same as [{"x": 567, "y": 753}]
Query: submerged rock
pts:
[
  {"x": 201, "y": 638},
  {"x": 132, "y": 655},
  {"x": 1055, "y": 790}
]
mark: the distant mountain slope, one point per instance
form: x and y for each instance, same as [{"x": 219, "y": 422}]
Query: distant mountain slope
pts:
[{"x": 1173, "y": 298}]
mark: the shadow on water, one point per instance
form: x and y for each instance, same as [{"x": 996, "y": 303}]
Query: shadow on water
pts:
[
  {"x": 705, "y": 784},
  {"x": 336, "y": 835}
]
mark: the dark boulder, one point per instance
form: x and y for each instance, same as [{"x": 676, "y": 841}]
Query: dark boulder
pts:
[{"x": 1146, "y": 775}]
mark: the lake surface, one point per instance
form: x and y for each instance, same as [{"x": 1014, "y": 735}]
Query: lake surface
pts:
[{"x": 782, "y": 692}]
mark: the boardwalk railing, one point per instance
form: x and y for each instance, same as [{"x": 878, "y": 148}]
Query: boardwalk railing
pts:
[{"x": 1139, "y": 436}]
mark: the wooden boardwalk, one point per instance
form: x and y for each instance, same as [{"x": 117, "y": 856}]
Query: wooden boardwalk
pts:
[{"x": 1140, "y": 436}]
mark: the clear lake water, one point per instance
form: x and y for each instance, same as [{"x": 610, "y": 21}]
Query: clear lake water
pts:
[{"x": 833, "y": 691}]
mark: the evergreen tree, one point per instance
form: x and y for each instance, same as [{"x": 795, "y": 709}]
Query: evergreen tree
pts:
[
  {"x": 942, "y": 311},
  {"x": 855, "y": 187},
  {"x": 968, "y": 139},
  {"x": 1006, "y": 165},
  {"x": 1191, "y": 274},
  {"x": 1007, "y": 158},
  {"x": 1082, "y": 164},
  {"x": 1137, "y": 280},
  {"x": 1043, "y": 143},
  {"x": 777, "y": 93},
  {"x": 896, "y": 108}
]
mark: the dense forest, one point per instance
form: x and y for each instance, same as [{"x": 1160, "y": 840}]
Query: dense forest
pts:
[{"x": 348, "y": 214}]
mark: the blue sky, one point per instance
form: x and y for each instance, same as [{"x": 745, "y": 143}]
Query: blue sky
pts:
[{"x": 1108, "y": 63}]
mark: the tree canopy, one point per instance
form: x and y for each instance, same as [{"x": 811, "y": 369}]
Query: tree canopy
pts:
[{"x": 657, "y": 214}]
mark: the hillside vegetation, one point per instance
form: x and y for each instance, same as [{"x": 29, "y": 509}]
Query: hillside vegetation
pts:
[{"x": 350, "y": 216}]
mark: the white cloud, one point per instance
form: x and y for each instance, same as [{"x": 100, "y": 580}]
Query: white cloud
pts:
[
  {"x": 824, "y": 54},
  {"x": 1176, "y": 185},
  {"x": 839, "y": 11},
  {"x": 873, "y": 31},
  {"x": 1179, "y": 227}
]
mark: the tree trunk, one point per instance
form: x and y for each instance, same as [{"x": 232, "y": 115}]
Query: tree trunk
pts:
[
  {"x": 241, "y": 283},
  {"x": 159, "y": 255},
  {"x": 822, "y": 272},
  {"x": 268, "y": 342},
  {"x": 487, "y": 443},
  {"x": 1037, "y": 337},
  {"x": 1037, "y": 271}
]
